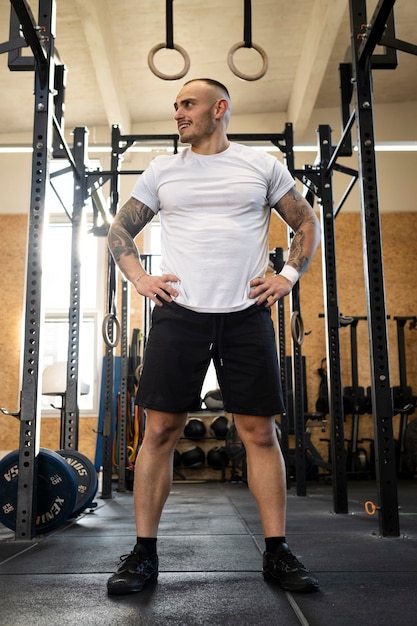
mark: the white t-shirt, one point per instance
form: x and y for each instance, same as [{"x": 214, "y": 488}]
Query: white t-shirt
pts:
[{"x": 215, "y": 212}]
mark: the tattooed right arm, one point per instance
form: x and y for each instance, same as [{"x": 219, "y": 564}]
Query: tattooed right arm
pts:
[{"x": 128, "y": 222}]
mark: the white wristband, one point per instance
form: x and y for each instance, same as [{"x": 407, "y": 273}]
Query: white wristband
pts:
[{"x": 290, "y": 273}]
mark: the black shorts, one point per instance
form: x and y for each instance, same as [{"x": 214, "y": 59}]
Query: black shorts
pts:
[{"x": 179, "y": 349}]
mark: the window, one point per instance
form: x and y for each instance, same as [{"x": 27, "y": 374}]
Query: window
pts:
[{"x": 56, "y": 295}]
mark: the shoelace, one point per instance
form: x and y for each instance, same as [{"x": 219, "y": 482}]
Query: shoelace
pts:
[
  {"x": 291, "y": 561},
  {"x": 126, "y": 557}
]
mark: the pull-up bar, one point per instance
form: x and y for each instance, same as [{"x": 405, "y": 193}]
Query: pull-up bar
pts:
[{"x": 32, "y": 34}]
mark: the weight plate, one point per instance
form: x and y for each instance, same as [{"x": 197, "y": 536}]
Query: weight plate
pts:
[
  {"x": 86, "y": 476},
  {"x": 56, "y": 490}
]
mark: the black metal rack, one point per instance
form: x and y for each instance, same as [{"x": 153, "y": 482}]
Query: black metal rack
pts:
[
  {"x": 48, "y": 121},
  {"x": 43, "y": 64}
]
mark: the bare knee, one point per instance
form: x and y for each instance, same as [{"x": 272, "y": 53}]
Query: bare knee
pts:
[
  {"x": 163, "y": 429},
  {"x": 257, "y": 431}
]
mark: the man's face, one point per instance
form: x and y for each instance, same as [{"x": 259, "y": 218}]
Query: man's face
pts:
[{"x": 194, "y": 113}]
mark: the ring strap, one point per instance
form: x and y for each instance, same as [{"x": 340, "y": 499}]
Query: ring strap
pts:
[
  {"x": 247, "y": 24},
  {"x": 247, "y": 43},
  {"x": 170, "y": 45}
]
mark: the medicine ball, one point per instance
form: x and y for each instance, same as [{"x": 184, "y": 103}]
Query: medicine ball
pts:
[
  {"x": 219, "y": 427},
  {"x": 193, "y": 457},
  {"x": 214, "y": 400},
  {"x": 217, "y": 458},
  {"x": 194, "y": 429}
]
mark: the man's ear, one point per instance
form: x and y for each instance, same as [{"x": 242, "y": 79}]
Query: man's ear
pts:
[{"x": 221, "y": 107}]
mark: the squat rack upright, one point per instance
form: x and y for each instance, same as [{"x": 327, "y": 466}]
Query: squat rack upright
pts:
[
  {"x": 356, "y": 79},
  {"x": 48, "y": 137}
]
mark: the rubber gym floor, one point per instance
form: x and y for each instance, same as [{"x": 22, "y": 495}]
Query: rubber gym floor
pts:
[{"x": 210, "y": 547}]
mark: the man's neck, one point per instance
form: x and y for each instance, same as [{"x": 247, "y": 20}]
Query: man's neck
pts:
[{"x": 212, "y": 146}]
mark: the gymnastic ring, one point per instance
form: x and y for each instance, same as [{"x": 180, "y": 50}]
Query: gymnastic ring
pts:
[
  {"x": 110, "y": 317},
  {"x": 155, "y": 71},
  {"x": 297, "y": 328},
  {"x": 236, "y": 72}
]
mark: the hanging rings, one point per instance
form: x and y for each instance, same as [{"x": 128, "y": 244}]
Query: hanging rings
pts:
[
  {"x": 110, "y": 318},
  {"x": 176, "y": 47},
  {"x": 297, "y": 328},
  {"x": 111, "y": 324},
  {"x": 170, "y": 45},
  {"x": 247, "y": 43},
  {"x": 238, "y": 73}
]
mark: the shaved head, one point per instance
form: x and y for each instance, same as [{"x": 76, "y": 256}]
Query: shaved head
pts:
[
  {"x": 213, "y": 83},
  {"x": 220, "y": 90}
]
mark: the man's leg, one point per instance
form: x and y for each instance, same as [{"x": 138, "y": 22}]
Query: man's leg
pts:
[
  {"x": 153, "y": 480},
  {"x": 154, "y": 468},
  {"x": 267, "y": 483},
  {"x": 266, "y": 471}
]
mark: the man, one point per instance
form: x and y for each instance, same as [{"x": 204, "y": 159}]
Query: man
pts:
[{"x": 212, "y": 301}]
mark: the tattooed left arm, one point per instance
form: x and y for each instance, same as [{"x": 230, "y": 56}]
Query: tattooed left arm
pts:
[{"x": 300, "y": 217}]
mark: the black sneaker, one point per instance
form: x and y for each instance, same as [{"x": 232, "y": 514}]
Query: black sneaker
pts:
[
  {"x": 137, "y": 569},
  {"x": 285, "y": 569}
]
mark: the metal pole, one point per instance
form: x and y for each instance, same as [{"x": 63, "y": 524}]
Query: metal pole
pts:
[
  {"x": 124, "y": 374},
  {"x": 381, "y": 393},
  {"x": 30, "y": 396},
  {"x": 331, "y": 306},
  {"x": 298, "y": 381},
  {"x": 70, "y": 427}
]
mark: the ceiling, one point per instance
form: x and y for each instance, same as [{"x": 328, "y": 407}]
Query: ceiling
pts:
[{"x": 105, "y": 45}]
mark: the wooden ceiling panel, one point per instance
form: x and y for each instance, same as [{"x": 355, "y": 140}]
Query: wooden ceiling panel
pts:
[{"x": 105, "y": 45}]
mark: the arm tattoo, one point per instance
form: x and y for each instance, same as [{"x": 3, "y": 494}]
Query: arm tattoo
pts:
[
  {"x": 296, "y": 258},
  {"x": 300, "y": 217},
  {"x": 129, "y": 221}
]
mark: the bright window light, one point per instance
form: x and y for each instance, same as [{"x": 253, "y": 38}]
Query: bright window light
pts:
[
  {"x": 382, "y": 146},
  {"x": 56, "y": 294}
]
